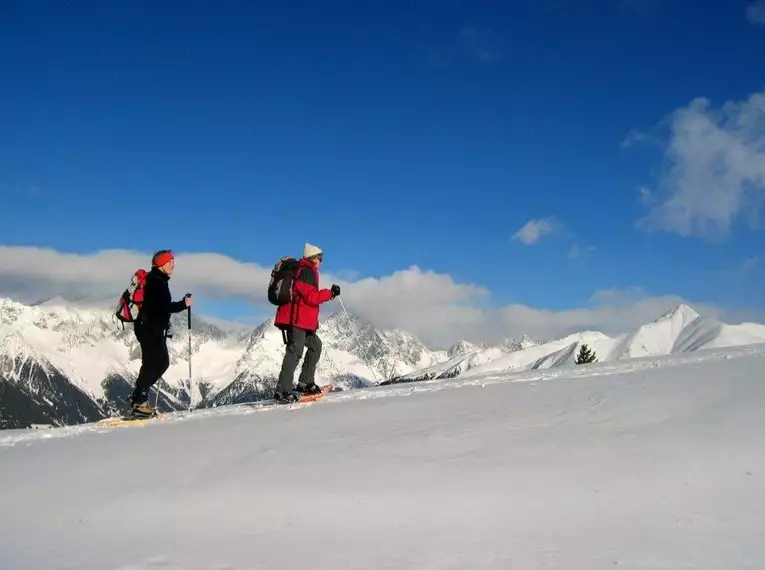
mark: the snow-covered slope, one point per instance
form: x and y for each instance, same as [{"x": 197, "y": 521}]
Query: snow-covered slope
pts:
[
  {"x": 643, "y": 463},
  {"x": 678, "y": 331}
]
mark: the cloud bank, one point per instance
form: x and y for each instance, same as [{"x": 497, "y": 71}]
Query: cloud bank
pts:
[{"x": 431, "y": 305}]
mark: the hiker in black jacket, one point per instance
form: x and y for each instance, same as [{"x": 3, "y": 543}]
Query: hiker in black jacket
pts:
[{"x": 152, "y": 326}]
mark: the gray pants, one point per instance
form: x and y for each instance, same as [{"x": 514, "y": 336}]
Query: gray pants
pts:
[{"x": 297, "y": 341}]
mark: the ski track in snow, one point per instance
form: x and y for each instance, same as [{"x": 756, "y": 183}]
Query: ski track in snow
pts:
[{"x": 648, "y": 463}]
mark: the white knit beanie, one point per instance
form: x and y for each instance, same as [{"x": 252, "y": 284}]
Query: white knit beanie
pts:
[{"x": 311, "y": 250}]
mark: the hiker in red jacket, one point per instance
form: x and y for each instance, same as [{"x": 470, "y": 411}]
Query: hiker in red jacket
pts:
[{"x": 300, "y": 320}]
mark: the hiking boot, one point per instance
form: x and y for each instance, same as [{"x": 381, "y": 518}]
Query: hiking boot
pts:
[
  {"x": 286, "y": 397},
  {"x": 143, "y": 409},
  {"x": 311, "y": 388}
]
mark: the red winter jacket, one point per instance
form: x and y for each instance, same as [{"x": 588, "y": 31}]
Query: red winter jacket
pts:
[{"x": 303, "y": 311}]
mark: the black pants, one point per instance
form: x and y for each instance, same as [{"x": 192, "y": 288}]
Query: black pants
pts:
[
  {"x": 297, "y": 341},
  {"x": 154, "y": 361}
]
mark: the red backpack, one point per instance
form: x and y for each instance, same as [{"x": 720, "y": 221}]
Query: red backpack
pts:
[{"x": 131, "y": 299}]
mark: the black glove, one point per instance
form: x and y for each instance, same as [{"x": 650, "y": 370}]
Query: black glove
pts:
[{"x": 335, "y": 291}]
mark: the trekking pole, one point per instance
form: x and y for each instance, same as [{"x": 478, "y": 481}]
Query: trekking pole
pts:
[
  {"x": 358, "y": 341},
  {"x": 188, "y": 309}
]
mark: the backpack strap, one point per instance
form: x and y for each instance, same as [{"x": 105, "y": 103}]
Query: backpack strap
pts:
[{"x": 293, "y": 302}]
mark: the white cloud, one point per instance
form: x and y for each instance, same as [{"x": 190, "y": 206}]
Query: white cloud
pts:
[
  {"x": 36, "y": 273},
  {"x": 428, "y": 304},
  {"x": 534, "y": 230},
  {"x": 714, "y": 171},
  {"x": 755, "y": 12}
]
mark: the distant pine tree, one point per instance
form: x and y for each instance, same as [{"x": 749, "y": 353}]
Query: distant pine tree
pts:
[{"x": 585, "y": 355}]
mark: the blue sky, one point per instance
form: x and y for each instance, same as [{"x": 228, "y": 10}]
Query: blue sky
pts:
[{"x": 392, "y": 136}]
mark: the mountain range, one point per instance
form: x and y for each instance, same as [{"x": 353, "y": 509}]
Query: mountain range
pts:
[
  {"x": 680, "y": 330},
  {"x": 64, "y": 363}
]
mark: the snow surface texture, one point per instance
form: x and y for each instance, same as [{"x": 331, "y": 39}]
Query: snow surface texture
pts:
[{"x": 648, "y": 463}]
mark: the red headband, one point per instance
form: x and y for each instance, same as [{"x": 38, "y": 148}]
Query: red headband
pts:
[{"x": 162, "y": 257}]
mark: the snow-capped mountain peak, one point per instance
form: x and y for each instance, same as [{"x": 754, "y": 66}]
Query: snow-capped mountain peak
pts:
[
  {"x": 682, "y": 314},
  {"x": 461, "y": 347},
  {"x": 519, "y": 343}
]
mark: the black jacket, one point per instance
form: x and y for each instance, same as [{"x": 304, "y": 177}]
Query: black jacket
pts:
[{"x": 157, "y": 303}]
